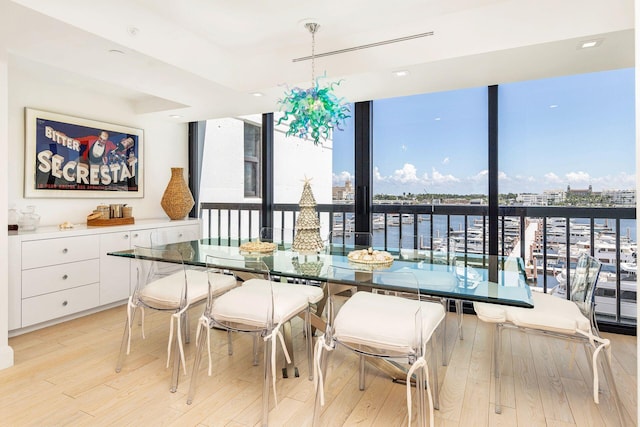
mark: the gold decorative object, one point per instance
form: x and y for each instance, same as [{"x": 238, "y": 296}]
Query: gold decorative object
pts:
[
  {"x": 177, "y": 199},
  {"x": 307, "y": 238},
  {"x": 258, "y": 247},
  {"x": 306, "y": 267},
  {"x": 370, "y": 257}
]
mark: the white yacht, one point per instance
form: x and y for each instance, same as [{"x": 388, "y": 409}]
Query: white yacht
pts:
[{"x": 605, "y": 293}]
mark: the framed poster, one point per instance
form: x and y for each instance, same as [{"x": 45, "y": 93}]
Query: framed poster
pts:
[{"x": 80, "y": 158}]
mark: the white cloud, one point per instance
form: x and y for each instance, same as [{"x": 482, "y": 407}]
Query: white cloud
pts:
[
  {"x": 480, "y": 176},
  {"x": 341, "y": 178},
  {"x": 377, "y": 177},
  {"x": 408, "y": 174},
  {"x": 578, "y": 177},
  {"x": 439, "y": 178},
  {"x": 404, "y": 147},
  {"x": 552, "y": 178},
  {"x": 445, "y": 161}
]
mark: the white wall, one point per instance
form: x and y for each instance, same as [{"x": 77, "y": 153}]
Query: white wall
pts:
[
  {"x": 6, "y": 353},
  {"x": 296, "y": 159},
  {"x": 165, "y": 145}
]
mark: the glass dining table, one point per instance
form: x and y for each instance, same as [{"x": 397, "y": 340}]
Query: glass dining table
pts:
[
  {"x": 443, "y": 275},
  {"x": 463, "y": 276}
]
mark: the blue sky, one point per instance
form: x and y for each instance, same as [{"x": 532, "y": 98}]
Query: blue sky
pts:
[{"x": 575, "y": 130}]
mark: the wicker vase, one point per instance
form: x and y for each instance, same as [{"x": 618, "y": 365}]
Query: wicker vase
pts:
[{"x": 177, "y": 200}]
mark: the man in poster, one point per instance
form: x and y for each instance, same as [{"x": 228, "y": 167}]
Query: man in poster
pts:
[{"x": 96, "y": 149}]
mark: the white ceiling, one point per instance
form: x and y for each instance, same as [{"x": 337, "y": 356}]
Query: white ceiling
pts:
[{"x": 203, "y": 58}]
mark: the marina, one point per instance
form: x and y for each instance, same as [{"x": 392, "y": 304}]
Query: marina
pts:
[{"x": 439, "y": 232}]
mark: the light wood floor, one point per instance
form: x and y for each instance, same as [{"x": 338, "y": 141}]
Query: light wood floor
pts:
[{"x": 64, "y": 376}]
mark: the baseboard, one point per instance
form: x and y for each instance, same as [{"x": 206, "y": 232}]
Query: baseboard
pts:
[{"x": 6, "y": 357}]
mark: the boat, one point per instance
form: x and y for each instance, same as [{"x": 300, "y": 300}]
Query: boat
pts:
[
  {"x": 377, "y": 222},
  {"x": 605, "y": 292}
]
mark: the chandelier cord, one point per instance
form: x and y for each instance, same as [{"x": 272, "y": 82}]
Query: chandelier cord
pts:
[
  {"x": 313, "y": 27},
  {"x": 313, "y": 56}
]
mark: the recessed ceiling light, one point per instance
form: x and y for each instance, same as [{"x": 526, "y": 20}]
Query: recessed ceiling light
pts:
[
  {"x": 175, "y": 116},
  {"x": 133, "y": 30},
  {"x": 257, "y": 94},
  {"x": 590, "y": 43},
  {"x": 401, "y": 73}
]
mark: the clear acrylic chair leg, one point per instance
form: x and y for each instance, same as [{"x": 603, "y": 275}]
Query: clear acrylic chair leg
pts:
[
  {"x": 229, "y": 344},
  {"x": 317, "y": 408},
  {"x": 309, "y": 338},
  {"x": 202, "y": 339},
  {"x": 497, "y": 350},
  {"x": 613, "y": 390},
  {"x": 267, "y": 382},
  {"x": 460, "y": 317},
  {"x": 176, "y": 364},
  {"x": 125, "y": 339},
  {"x": 361, "y": 375},
  {"x": 256, "y": 337},
  {"x": 433, "y": 367}
]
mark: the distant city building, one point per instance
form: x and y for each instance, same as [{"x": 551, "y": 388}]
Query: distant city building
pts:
[
  {"x": 547, "y": 198},
  {"x": 581, "y": 193},
  {"x": 455, "y": 201},
  {"x": 554, "y": 197},
  {"x": 620, "y": 197},
  {"x": 531, "y": 199},
  {"x": 343, "y": 193},
  {"x": 558, "y": 197}
]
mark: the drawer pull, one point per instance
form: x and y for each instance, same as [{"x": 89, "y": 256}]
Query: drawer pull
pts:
[
  {"x": 65, "y": 277},
  {"x": 64, "y": 303},
  {"x": 135, "y": 235},
  {"x": 65, "y": 250},
  {"x": 126, "y": 236}
]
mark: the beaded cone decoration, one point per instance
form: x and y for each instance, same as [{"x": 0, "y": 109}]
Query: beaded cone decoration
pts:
[
  {"x": 177, "y": 199},
  {"x": 307, "y": 238}
]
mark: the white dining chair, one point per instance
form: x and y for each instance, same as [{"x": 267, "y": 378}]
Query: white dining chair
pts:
[
  {"x": 382, "y": 326},
  {"x": 164, "y": 284},
  {"x": 569, "y": 319},
  {"x": 260, "y": 306}
]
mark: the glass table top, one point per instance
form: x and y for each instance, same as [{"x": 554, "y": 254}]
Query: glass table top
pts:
[{"x": 440, "y": 274}]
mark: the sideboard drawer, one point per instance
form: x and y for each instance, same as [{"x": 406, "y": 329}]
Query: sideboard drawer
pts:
[
  {"x": 46, "y": 252},
  {"x": 38, "y": 281},
  {"x": 58, "y": 304}
]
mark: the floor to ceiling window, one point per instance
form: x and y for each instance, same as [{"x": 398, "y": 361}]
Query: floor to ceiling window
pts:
[
  {"x": 570, "y": 142},
  {"x": 429, "y": 149}
]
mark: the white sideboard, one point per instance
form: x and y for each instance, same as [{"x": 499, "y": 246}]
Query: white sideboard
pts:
[{"x": 56, "y": 275}]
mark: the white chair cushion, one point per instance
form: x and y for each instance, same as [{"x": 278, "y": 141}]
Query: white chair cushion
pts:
[
  {"x": 313, "y": 293},
  {"x": 248, "y": 304},
  {"x": 490, "y": 313},
  {"x": 385, "y": 322},
  {"x": 549, "y": 313},
  {"x": 219, "y": 283},
  {"x": 164, "y": 293}
]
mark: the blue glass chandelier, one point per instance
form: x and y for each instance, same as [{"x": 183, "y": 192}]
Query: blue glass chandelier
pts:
[{"x": 315, "y": 111}]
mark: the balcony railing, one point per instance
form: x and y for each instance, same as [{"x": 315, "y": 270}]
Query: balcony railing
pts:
[{"x": 549, "y": 239}]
